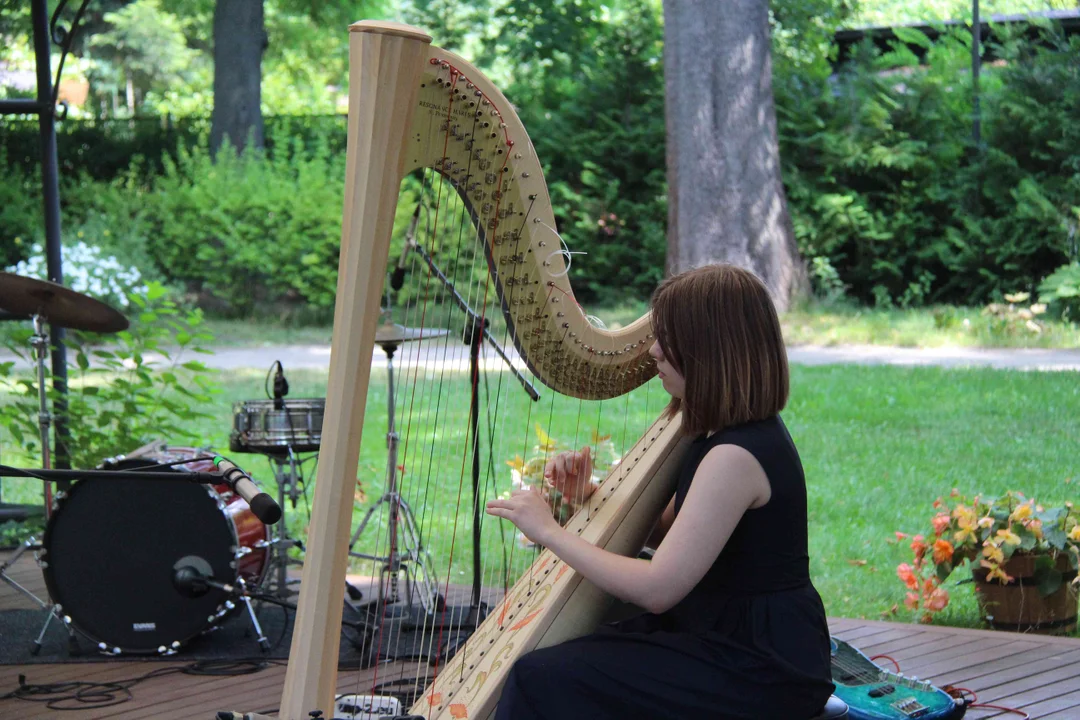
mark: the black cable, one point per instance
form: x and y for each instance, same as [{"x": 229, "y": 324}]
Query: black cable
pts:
[
  {"x": 413, "y": 690},
  {"x": 266, "y": 383}
]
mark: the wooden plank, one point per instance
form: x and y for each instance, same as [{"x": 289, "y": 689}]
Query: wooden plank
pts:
[
  {"x": 1068, "y": 705},
  {"x": 1056, "y": 667},
  {"x": 951, "y": 665}
]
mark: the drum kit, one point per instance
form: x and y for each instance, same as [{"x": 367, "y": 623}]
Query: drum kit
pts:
[{"x": 143, "y": 567}]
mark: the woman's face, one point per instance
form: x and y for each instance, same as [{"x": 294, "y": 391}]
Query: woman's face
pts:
[{"x": 673, "y": 381}]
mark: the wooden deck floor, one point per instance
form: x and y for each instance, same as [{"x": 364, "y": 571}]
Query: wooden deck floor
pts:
[{"x": 1040, "y": 675}]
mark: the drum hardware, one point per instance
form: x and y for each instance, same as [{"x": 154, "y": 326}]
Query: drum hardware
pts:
[
  {"x": 280, "y": 429},
  {"x": 414, "y": 560},
  {"x": 286, "y": 473},
  {"x": 193, "y": 577},
  {"x": 30, "y": 544}
]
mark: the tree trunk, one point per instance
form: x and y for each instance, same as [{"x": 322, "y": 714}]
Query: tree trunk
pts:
[
  {"x": 725, "y": 197},
  {"x": 239, "y": 40}
]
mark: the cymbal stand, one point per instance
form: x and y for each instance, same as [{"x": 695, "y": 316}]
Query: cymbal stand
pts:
[
  {"x": 40, "y": 342},
  {"x": 410, "y": 555},
  {"x": 286, "y": 476}
]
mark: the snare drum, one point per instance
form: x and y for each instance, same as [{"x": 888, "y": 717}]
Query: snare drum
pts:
[
  {"x": 259, "y": 427},
  {"x": 110, "y": 548}
]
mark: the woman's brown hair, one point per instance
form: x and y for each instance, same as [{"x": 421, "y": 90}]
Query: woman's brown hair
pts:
[{"x": 718, "y": 326}]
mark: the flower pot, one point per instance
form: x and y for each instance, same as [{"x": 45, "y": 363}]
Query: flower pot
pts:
[{"x": 1019, "y": 606}]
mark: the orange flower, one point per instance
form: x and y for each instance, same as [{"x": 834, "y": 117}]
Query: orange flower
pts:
[
  {"x": 900, "y": 536},
  {"x": 941, "y": 523},
  {"x": 911, "y": 601},
  {"x": 918, "y": 547},
  {"x": 906, "y": 573},
  {"x": 937, "y": 600},
  {"x": 943, "y": 551}
]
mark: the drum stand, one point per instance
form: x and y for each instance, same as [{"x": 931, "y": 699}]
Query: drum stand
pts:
[
  {"x": 286, "y": 476},
  {"x": 410, "y": 555}
]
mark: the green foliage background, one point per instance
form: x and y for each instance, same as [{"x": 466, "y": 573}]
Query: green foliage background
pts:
[{"x": 892, "y": 201}]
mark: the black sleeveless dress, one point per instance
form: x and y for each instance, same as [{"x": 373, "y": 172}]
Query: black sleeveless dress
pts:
[{"x": 749, "y": 641}]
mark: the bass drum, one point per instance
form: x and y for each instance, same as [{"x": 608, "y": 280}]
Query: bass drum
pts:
[{"x": 111, "y": 546}]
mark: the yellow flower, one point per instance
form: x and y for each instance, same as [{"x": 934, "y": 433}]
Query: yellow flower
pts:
[
  {"x": 996, "y": 571},
  {"x": 1074, "y": 534},
  {"x": 547, "y": 444},
  {"x": 518, "y": 463},
  {"x": 1021, "y": 513},
  {"x": 966, "y": 532},
  {"x": 985, "y": 522},
  {"x": 963, "y": 514},
  {"x": 1008, "y": 537},
  {"x": 993, "y": 553}
]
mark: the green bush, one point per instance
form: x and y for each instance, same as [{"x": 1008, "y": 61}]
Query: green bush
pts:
[
  {"x": 883, "y": 177},
  {"x": 21, "y": 218},
  {"x": 248, "y": 230}
]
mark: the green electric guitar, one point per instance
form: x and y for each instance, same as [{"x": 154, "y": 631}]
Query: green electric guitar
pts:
[{"x": 873, "y": 693}]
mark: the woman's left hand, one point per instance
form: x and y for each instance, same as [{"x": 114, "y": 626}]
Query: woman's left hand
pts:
[{"x": 529, "y": 511}]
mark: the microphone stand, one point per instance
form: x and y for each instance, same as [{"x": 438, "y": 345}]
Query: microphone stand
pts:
[{"x": 476, "y": 331}]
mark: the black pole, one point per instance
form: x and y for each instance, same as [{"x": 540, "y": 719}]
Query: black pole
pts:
[
  {"x": 976, "y": 63},
  {"x": 50, "y": 182},
  {"x": 474, "y": 336}
]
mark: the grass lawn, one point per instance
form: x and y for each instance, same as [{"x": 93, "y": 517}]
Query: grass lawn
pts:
[{"x": 879, "y": 444}]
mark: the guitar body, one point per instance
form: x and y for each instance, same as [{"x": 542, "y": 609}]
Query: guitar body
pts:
[{"x": 873, "y": 693}]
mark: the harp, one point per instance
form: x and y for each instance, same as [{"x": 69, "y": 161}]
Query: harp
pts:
[{"x": 413, "y": 105}]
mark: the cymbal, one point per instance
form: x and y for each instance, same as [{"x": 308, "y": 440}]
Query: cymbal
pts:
[
  {"x": 61, "y": 306},
  {"x": 391, "y": 333}
]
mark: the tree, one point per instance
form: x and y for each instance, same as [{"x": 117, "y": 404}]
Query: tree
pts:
[
  {"x": 141, "y": 47},
  {"x": 239, "y": 41},
  {"x": 725, "y": 195}
]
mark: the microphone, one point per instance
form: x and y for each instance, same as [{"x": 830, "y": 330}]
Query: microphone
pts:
[
  {"x": 193, "y": 577},
  {"x": 397, "y": 278},
  {"x": 264, "y": 506},
  {"x": 281, "y": 387}
]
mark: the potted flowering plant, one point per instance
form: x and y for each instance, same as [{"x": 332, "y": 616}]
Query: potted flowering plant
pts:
[{"x": 1023, "y": 557}]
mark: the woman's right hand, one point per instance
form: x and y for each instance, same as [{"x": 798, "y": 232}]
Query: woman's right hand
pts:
[{"x": 570, "y": 473}]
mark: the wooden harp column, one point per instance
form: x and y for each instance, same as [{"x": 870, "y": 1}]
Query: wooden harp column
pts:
[{"x": 413, "y": 105}]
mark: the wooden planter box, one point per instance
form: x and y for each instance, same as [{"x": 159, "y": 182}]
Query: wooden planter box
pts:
[{"x": 1018, "y": 606}]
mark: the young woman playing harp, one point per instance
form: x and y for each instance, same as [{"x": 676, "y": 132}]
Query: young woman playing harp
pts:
[{"x": 734, "y": 628}]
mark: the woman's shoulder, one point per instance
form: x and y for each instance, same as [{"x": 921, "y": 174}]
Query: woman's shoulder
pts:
[{"x": 766, "y": 427}]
